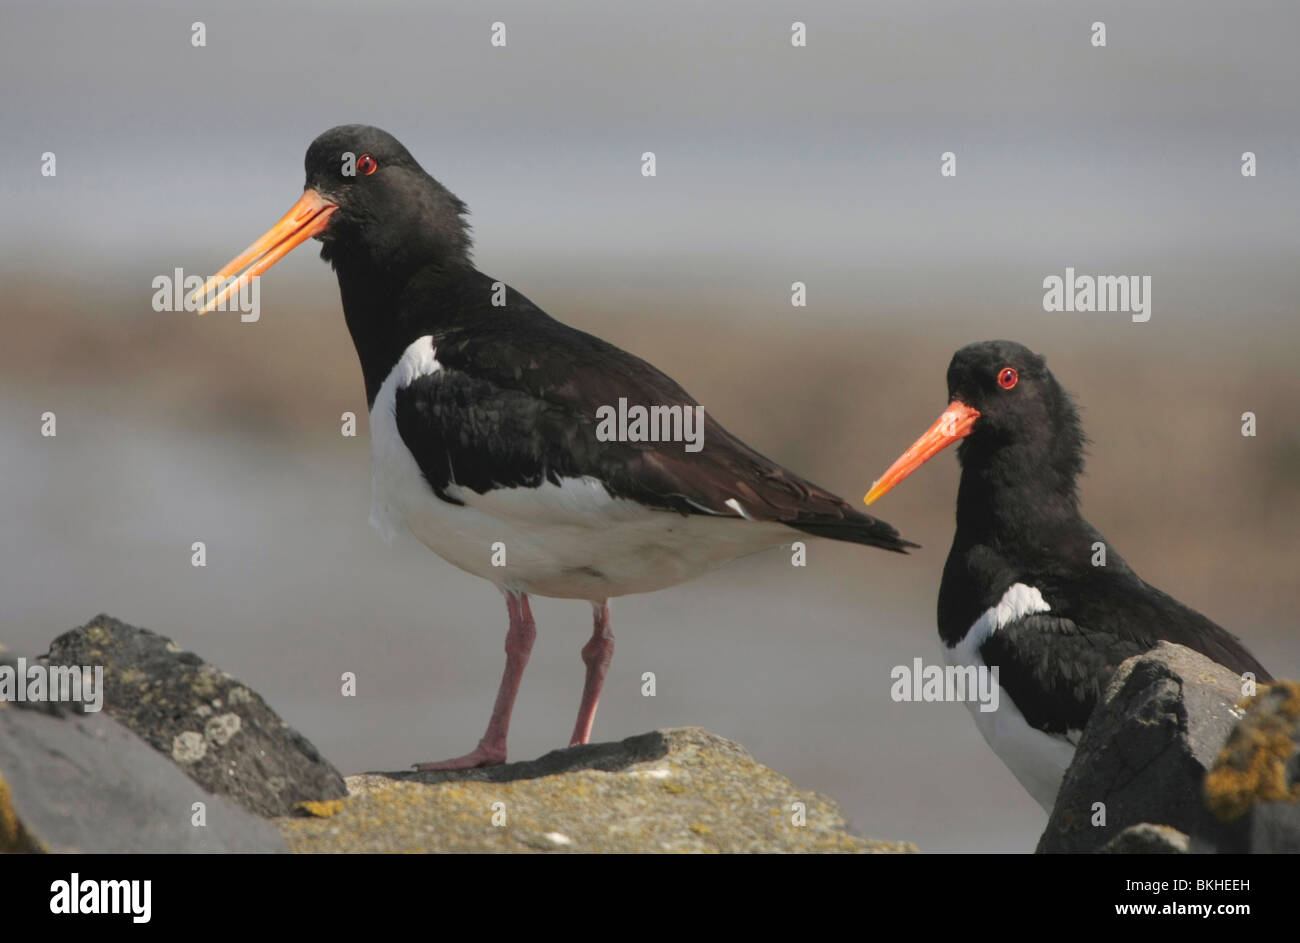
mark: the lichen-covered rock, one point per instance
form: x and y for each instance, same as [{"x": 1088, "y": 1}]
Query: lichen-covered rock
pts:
[
  {"x": 1254, "y": 786},
  {"x": 683, "y": 790},
  {"x": 220, "y": 733},
  {"x": 73, "y": 781},
  {"x": 1146, "y": 750}
]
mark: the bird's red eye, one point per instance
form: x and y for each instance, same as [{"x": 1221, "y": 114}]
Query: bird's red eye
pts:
[
  {"x": 366, "y": 165},
  {"x": 1008, "y": 377}
]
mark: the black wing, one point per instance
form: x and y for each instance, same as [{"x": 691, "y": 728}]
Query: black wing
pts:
[
  {"x": 1099, "y": 616},
  {"x": 1053, "y": 671},
  {"x": 514, "y": 403},
  {"x": 1140, "y": 612}
]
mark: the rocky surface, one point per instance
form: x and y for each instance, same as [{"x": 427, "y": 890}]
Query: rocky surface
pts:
[
  {"x": 220, "y": 733},
  {"x": 1180, "y": 761},
  {"x": 73, "y": 781},
  {"x": 683, "y": 790},
  {"x": 174, "y": 730},
  {"x": 1146, "y": 751},
  {"x": 1254, "y": 787}
]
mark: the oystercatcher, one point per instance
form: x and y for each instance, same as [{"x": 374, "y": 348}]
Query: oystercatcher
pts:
[
  {"x": 491, "y": 427},
  {"x": 1025, "y": 588}
]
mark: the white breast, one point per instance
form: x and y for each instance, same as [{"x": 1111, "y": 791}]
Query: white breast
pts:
[
  {"x": 1037, "y": 759},
  {"x": 393, "y": 468},
  {"x": 571, "y": 540}
]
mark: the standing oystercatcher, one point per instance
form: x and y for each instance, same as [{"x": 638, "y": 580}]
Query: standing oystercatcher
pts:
[
  {"x": 490, "y": 421},
  {"x": 1020, "y": 590}
]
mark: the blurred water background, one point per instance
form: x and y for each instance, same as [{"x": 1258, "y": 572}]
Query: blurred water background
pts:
[{"x": 775, "y": 164}]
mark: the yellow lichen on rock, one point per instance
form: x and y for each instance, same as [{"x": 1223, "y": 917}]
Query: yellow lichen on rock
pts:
[
  {"x": 14, "y": 839},
  {"x": 321, "y": 809},
  {"x": 1253, "y": 764}
]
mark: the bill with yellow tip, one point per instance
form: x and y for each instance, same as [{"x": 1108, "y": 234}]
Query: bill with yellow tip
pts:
[{"x": 306, "y": 218}]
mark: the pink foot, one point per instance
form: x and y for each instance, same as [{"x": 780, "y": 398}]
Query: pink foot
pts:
[
  {"x": 479, "y": 756},
  {"x": 491, "y": 750}
]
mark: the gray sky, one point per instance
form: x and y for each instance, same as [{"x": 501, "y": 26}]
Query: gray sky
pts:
[{"x": 774, "y": 163}]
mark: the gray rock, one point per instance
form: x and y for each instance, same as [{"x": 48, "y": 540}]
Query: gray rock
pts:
[
  {"x": 683, "y": 790},
  {"x": 73, "y": 782},
  {"x": 1146, "y": 750},
  {"x": 1254, "y": 786},
  {"x": 1147, "y": 839},
  {"x": 219, "y": 732}
]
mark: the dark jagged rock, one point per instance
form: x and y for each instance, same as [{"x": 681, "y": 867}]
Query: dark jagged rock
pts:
[
  {"x": 683, "y": 790},
  {"x": 1146, "y": 750},
  {"x": 219, "y": 732},
  {"x": 72, "y": 781},
  {"x": 1254, "y": 786}
]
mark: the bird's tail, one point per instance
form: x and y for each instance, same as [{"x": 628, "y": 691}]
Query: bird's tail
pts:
[{"x": 853, "y": 527}]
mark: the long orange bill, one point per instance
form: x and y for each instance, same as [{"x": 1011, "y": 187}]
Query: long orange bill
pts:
[
  {"x": 954, "y": 424},
  {"x": 305, "y": 219}
]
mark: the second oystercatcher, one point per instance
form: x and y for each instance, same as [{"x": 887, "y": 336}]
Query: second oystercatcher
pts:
[
  {"x": 519, "y": 449},
  {"x": 1025, "y": 588}
]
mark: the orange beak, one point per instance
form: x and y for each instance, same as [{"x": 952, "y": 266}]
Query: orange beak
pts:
[
  {"x": 954, "y": 424},
  {"x": 305, "y": 219}
]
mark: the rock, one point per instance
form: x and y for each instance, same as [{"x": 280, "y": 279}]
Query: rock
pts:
[
  {"x": 72, "y": 781},
  {"x": 1254, "y": 786},
  {"x": 1147, "y": 839},
  {"x": 1145, "y": 752},
  {"x": 683, "y": 790},
  {"x": 608, "y": 757},
  {"x": 219, "y": 732}
]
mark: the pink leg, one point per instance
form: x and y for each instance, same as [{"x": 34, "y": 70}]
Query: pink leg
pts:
[
  {"x": 491, "y": 750},
  {"x": 596, "y": 655}
]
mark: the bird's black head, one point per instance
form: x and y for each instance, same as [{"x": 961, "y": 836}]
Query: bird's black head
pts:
[
  {"x": 1016, "y": 396},
  {"x": 390, "y": 211},
  {"x": 1013, "y": 420},
  {"x": 375, "y": 210}
]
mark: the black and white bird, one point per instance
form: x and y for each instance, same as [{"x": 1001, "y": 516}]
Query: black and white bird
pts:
[
  {"x": 484, "y": 426},
  {"x": 1021, "y": 590}
]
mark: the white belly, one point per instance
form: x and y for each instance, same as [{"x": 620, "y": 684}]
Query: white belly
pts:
[
  {"x": 570, "y": 540},
  {"x": 1037, "y": 759}
]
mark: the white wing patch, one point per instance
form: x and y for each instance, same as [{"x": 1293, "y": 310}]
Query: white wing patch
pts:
[
  {"x": 418, "y": 360},
  {"x": 736, "y": 506},
  {"x": 1016, "y": 603}
]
